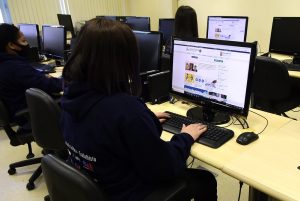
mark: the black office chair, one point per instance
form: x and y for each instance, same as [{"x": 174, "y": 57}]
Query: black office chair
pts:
[
  {"x": 18, "y": 137},
  {"x": 272, "y": 88},
  {"x": 66, "y": 183},
  {"x": 45, "y": 113}
]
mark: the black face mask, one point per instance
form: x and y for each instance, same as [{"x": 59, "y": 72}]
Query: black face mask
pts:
[{"x": 25, "y": 50}]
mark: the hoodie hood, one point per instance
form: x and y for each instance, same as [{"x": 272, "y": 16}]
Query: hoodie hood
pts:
[{"x": 79, "y": 99}]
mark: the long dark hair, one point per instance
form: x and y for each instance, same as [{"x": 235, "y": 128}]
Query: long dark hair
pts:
[
  {"x": 105, "y": 57},
  {"x": 186, "y": 24},
  {"x": 8, "y": 33}
]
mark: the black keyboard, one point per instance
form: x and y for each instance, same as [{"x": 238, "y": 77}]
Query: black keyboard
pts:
[
  {"x": 44, "y": 68},
  {"x": 214, "y": 136}
]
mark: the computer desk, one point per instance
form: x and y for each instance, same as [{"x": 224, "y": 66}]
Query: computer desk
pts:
[
  {"x": 256, "y": 163},
  {"x": 295, "y": 74}
]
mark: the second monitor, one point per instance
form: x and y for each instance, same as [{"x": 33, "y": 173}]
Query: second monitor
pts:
[{"x": 232, "y": 28}]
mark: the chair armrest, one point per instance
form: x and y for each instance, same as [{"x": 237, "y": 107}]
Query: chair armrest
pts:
[{"x": 22, "y": 112}]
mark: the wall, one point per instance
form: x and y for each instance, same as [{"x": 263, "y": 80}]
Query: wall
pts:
[
  {"x": 260, "y": 12},
  {"x": 154, "y": 9}
]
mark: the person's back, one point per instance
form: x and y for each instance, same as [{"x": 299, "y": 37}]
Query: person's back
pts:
[
  {"x": 16, "y": 73},
  {"x": 110, "y": 133}
]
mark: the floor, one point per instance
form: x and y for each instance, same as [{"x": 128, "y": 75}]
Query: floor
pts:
[{"x": 13, "y": 188}]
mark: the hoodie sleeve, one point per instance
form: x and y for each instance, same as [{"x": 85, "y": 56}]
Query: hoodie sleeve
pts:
[
  {"x": 154, "y": 159},
  {"x": 31, "y": 78}
]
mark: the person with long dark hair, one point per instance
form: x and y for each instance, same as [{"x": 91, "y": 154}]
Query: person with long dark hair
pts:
[
  {"x": 186, "y": 24},
  {"x": 110, "y": 133}
]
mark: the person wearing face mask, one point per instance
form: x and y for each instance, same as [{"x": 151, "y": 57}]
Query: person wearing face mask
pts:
[{"x": 16, "y": 73}]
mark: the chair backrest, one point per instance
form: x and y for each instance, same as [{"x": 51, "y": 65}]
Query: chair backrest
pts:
[
  {"x": 45, "y": 114},
  {"x": 4, "y": 118},
  {"x": 271, "y": 79},
  {"x": 65, "y": 183}
]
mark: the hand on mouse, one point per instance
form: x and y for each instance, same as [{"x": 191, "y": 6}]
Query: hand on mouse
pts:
[{"x": 194, "y": 130}]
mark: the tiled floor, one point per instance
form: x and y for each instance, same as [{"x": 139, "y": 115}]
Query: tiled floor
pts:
[{"x": 13, "y": 188}]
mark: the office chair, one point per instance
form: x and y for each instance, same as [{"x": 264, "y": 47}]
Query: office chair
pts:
[
  {"x": 66, "y": 183},
  {"x": 18, "y": 137},
  {"x": 272, "y": 88},
  {"x": 45, "y": 113}
]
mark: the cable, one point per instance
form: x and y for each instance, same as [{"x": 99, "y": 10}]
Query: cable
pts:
[
  {"x": 191, "y": 163},
  {"x": 241, "y": 185},
  {"x": 262, "y": 117}
]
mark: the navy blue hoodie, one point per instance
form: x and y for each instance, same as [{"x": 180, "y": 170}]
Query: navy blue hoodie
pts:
[
  {"x": 116, "y": 139},
  {"x": 17, "y": 75}
]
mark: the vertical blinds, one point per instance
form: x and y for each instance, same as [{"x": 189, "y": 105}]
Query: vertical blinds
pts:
[{"x": 34, "y": 11}]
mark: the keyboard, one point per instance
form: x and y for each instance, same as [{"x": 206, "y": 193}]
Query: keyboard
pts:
[
  {"x": 290, "y": 66},
  {"x": 44, "y": 68},
  {"x": 214, "y": 136}
]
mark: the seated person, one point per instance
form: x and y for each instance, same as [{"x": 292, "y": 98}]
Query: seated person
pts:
[
  {"x": 17, "y": 75},
  {"x": 186, "y": 24},
  {"x": 110, "y": 132}
]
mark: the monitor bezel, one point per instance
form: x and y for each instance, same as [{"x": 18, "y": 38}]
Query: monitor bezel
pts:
[
  {"x": 212, "y": 104},
  {"x": 293, "y": 53},
  {"x": 38, "y": 32},
  {"x": 160, "y": 49},
  {"x": 65, "y": 41},
  {"x": 233, "y": 17},
  {"x": 67, "y": 28},
  {"x": 148, "y": 25}
]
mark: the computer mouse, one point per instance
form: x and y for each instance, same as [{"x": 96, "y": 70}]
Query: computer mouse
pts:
[{"x": 246, "y": 138}]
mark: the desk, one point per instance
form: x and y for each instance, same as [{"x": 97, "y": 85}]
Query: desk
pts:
[
  {"x": 295, "y": 74},
  {"x": 230, "y": 150},
  {"x": 58, "y": 72},
  {"x": 271, "y": 166}
]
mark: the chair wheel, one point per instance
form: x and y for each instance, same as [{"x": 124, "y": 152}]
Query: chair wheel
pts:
[
  {"x": 30, "y": 186},
  {"x": 30, "y": 155},
  {"x": 11, "y": 171}
]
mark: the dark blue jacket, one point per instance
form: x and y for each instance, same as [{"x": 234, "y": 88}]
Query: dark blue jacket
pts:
[
  {"x": 116, "y": 139},
  {"x": 17, "y": 75}
]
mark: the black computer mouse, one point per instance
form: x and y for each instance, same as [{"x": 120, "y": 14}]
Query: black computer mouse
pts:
[{"x": 246, "y": 138}]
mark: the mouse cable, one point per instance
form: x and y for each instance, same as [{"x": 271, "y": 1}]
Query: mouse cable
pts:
[
  {"x": 191, "y": 163},
  {"x": 264, "y": 118},
  {"x": 241, "y": 185},
  {"x": 231, "y": 122}
]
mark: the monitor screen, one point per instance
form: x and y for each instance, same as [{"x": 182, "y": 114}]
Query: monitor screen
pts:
[
  {"x": 166, "y": 27},
  {"x": 139, "y": 23},
  {"x": 54, "y": 41},
  {"x": 32, "y": 34},
  {"x": 285, "y": 35},
  {"x": 215, "y": 74},
  {"x": 66, "y": 21},
  {"x": 150, "y": 48},
  {"x": 227, "y": 28}
]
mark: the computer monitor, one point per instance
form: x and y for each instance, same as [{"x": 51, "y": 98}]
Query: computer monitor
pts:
[
  {"x": 54, "y": 41},
  {"x": 150, "y": 46},
  {"x": 232, "y": 28},
  {"x": 139, "y": 23},
  {"x": 166, "y": 27},
  {"x": 32, "y": 34},
  {"x": 114, "y": 18},
  {"x": 66, "y": 21},
  {"x": 285, "y": 37},
  {"x": 214, "y": 74}
]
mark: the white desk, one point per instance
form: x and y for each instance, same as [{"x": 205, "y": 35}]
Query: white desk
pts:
[
  {"x": 271, "y": 166},
  {"x": 230, "y": 150}
]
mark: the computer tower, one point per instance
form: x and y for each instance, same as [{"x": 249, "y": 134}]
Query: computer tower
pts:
[{"x": 158, "y": 87}]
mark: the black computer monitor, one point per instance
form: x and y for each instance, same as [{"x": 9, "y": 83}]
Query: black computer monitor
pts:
[
  {"x": 150, "y": 47},
  {"x": 139, "y": 23},
  {"x": 54, "y": 41},
  {"x": 66, "y": 21},
  {"x": 232, "y": 28},
  {"x": 285, "y": 37},
  {"x": 32, "y": 34},
  {"x": 166, "y": 27},
  {"x": 214, "y": 74},
  {"x": 114, "y": 18}
]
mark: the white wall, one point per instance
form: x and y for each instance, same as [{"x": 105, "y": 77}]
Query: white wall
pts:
[
  {"x": 260, "y": 12},
  {"x": 154, "y": 9}
]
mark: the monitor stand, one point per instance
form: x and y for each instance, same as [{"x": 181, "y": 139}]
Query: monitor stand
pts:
[{"x": 208, "y": 115}]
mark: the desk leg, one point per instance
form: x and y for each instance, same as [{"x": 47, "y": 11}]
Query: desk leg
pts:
[{"x": 256, "y": 195}]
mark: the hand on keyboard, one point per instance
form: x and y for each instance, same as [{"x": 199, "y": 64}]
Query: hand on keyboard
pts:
[
  {"x": 162, "y": 116},
  {"x": 194, "y": 130}
]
